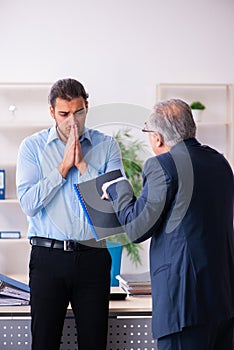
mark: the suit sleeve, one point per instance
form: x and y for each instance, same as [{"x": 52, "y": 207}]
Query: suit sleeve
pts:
[{"x": 141, "y": 216}]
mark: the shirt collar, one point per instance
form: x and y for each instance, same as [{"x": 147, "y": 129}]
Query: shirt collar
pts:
[
  {"x": 53, "y": 135},
  {"x": 86, "y": 135}
]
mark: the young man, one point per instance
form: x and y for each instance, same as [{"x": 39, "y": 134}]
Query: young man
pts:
[
  {"x": 186, "y": 207},
  {"x": 66, "y": 264}
]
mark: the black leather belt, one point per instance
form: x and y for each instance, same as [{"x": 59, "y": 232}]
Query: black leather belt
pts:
[{"x": 68, "y": 245}]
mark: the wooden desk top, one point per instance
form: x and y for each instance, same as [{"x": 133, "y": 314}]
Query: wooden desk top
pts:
[{"x": 130, "y": 306}]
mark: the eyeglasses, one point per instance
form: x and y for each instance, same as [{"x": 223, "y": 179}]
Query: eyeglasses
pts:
[{"x": 147, "y": 130}]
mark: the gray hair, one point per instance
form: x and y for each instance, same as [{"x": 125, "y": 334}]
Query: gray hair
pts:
[{"x": 173, "y": 120}]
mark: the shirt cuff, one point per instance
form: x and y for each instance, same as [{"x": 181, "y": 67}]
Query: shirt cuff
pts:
[{"x": 55, "y": 178}]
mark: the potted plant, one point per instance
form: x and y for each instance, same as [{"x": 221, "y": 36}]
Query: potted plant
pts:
[
  {"x": 196, "y": 108},
  {"x": 130, "y": 149}
]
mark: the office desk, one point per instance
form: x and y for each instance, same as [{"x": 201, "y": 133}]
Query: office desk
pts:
[{"x": 129, "y": 326}]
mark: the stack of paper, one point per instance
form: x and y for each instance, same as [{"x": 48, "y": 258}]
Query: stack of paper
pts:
[
  {"x": 135, "y": 284},
  {"x": 13, "y": 292}
]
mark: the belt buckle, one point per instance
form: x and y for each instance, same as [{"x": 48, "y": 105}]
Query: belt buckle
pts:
[{"x": 67, "y": 246}]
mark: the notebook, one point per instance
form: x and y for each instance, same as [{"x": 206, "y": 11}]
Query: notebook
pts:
[{"x": 100, "y": 214}]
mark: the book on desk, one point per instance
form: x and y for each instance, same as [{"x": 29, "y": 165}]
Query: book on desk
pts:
[
  {"x": 135, "y": 283},
  {"x": 13, "y": 292}
]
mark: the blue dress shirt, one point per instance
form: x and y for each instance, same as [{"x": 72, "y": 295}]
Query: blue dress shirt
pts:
[{"x": 48, "y": 200}]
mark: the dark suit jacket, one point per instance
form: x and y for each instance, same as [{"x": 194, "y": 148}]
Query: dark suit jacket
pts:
[{"x": 186, "y": 206}]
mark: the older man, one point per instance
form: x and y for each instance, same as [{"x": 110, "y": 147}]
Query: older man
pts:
[{"x": 186, "y": 207}]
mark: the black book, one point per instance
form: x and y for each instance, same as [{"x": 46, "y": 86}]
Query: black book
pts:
[{"x": 100, "y": 213}]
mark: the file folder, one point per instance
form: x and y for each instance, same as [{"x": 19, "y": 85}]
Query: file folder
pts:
[
  {"x": 10, "y": 234},
  {"x": 2, "y": 184},
  {"x": 8, "y": 301},
  {"x": 100, "y": 213},
  {"x": 12, "y": 288}
]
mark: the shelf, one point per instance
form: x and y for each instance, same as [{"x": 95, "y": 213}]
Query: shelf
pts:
[
  {"x": 196, "y": 85},
  {"x": 24, "y": 110},
  {"x": 25, "y": 125},
  {"x": 9, "y": 201},
  {"x": 216, "y": 127},
  {"x": 215, "y": 97},
  {"x": 24, "y": 103},
  {"x": 211, "y": 124},
  {"x": 23, "y": 240}
]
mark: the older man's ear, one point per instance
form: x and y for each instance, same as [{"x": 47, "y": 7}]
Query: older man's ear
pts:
[{"x": 157, "y": 143}]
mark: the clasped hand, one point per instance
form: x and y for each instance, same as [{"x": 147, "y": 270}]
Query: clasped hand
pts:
[{"x": 73, "y": 154}]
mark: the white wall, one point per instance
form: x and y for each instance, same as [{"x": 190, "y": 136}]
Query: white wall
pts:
[{"x": 119, "y": 49}]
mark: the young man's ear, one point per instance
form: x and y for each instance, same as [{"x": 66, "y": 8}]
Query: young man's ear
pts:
[
  {"x": 86, "y": 106},
  {"x": 52, "y": 111}
]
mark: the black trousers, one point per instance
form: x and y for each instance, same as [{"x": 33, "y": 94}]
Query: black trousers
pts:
[
  {"x": 213, "y": 336},
  {"x": 82, "y": 278}
]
